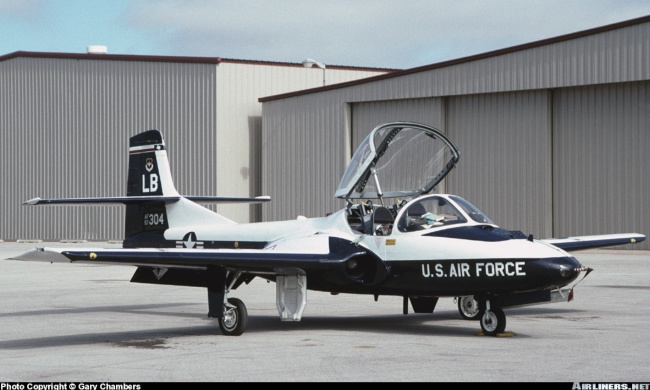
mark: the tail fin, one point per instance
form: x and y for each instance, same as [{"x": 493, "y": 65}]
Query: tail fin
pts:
[{"x": 149, "y": 175}]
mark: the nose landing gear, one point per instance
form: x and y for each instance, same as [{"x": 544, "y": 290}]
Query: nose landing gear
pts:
[{"x": 492, "y": 319}]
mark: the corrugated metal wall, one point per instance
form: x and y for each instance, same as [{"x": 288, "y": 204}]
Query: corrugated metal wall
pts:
[
  {"x": 239, "y": 124},
  {"x": 65, "y": 126},
  {"x": 303, "y": 163},
  {"x": 505, "y": 157},
  {"x": 601, "y": 153}
]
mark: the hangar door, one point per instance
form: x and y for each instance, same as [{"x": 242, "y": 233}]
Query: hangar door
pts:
[
  {"x": 505, "y": 157},
  {"x": 368, "y": 115},
  {"x": 600, "y": 147}
]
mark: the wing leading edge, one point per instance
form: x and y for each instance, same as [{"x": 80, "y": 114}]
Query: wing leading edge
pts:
[{"x": 595, "y": 241}]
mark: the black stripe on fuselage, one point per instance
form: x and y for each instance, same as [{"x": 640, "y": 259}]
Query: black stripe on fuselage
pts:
[
  {"x": 156, "y": 240},
  {"x": 227, "y": 244},
  {"x": 487, "y": 233}
]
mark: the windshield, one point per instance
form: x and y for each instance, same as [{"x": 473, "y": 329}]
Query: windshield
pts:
[
  {"x": 471, "y": 210},
  {"x": 429, "y": 212}
]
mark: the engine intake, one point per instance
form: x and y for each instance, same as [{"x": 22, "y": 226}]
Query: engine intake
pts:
[{"x": 366, "y": 269}]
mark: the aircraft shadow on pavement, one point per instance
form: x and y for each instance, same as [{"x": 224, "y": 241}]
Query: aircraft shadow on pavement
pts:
[
  {"x": 140, "y": 309},
  {"x": 125, "y": 338},
  {"x": 439, "y": 324},
  {"x": 413, "y": 324}
]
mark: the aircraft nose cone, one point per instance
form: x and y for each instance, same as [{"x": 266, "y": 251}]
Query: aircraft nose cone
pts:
[{"x": 568, "y": 268}]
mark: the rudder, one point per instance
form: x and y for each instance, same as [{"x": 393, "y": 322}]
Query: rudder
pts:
[{"x": 149, "y": 172}]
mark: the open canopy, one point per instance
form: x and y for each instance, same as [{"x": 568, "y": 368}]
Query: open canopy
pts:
[{"x": 398, "y": 159}]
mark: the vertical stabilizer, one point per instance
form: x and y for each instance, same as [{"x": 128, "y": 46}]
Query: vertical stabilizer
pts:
[{"x": 149, "y": 175}]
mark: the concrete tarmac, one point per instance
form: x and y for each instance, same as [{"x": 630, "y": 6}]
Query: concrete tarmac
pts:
[{"x": 73, "y": 323}]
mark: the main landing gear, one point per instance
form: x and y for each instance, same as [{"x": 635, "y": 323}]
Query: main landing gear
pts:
[
  {"x": 468, "y": 308},
  {"x": 234, "y": 319},
  {"x": 230, "y": 312}
]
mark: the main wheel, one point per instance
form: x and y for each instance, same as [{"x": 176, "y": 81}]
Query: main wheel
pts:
[
  {"x": 468, "y": 308},
  {"x": 493, "y": 321},
  {"x": 234, "y": 319}
]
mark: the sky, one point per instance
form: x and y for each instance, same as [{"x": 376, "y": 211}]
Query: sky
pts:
[{"x": 394, "y": 34}]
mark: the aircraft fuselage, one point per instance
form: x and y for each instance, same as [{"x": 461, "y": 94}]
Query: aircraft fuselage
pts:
[{"x": 426, "y": 263}]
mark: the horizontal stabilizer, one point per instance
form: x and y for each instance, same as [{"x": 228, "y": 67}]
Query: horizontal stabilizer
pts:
[
  {"x": 101, "y": 201},
  {"x": 139, "y": 199},
  {"x": 226, "y": 199},
  {"x": 595, "y": 241}
]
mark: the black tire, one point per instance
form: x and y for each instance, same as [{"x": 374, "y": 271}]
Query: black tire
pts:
[
  {"x": 468, "y": 308},
  {"x": 493, "y": 321},
  {"x": 234, "y": 319}
]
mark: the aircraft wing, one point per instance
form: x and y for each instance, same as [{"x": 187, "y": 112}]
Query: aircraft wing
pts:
[
  {"x": 595, "y": 241},
  {"x": 276, "y": 259}
]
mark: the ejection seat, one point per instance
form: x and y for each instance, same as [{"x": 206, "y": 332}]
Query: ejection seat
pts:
[
  {"x": 382, "y": 221},
  {"x": 409, "y": 221}
]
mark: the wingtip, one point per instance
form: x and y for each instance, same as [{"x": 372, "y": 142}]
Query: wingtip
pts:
[
  {"x": 639, "y": 238},
  {"x": 32, "y": 201},
  {"x": 28, "y": 255},
  {"x": 42, "y": 254}
]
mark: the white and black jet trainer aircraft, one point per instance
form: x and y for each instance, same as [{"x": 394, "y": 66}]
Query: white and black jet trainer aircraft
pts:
[{"x": 392, "y": 238}]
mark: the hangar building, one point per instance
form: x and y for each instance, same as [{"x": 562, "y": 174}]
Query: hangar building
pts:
[
  {"x": 66, "y": 119},
  {"x": 553, "y": 135}
]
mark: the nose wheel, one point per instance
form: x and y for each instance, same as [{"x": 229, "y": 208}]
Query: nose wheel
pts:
[{"x": 493, "y": 321}]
